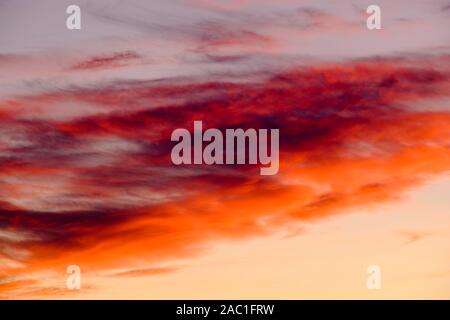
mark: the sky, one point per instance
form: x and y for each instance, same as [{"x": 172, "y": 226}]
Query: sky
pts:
[{"x": 86, "y": 178}]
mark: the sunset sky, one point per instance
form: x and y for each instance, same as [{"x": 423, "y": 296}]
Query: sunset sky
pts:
[{"x": 86, "y": 176}]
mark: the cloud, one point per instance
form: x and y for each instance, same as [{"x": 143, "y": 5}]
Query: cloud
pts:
[
  {"x": 116, "y": 60},
  {"x": 413, "y": 236},
  {"x": 144, "y": 272},
  {"x": 445, "y": 8},
  {"x": 102, "y": 184}
]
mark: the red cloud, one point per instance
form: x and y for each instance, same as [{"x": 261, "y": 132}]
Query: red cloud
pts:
[{"x": 103, "y": 185}]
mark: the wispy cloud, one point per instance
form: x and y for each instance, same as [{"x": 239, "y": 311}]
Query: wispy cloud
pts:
[{"x": 413, "y": 236}]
